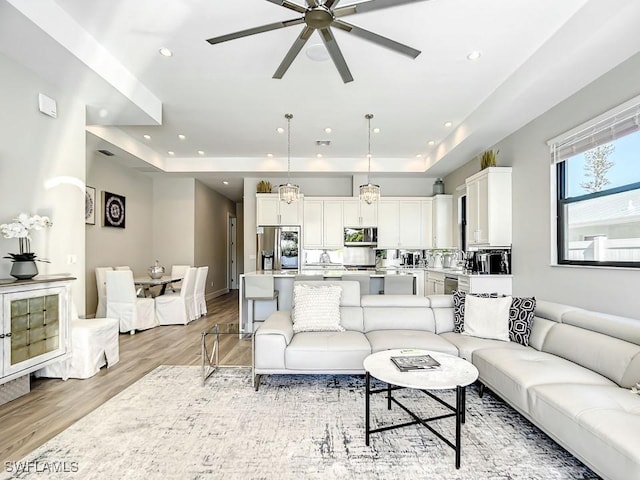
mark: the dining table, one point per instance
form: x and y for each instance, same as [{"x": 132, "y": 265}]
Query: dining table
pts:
[{"x": 145, "y": 283}]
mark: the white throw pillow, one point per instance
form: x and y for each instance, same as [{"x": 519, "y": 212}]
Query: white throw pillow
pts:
[
  {"x": 316, "y": 308},
  {"x": 487, "y": 317}
]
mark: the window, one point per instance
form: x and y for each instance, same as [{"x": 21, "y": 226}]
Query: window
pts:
[{"x": 598, "y": 190}]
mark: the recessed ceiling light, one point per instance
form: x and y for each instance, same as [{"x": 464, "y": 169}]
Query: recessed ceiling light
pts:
[
  {"x": 181, "y": 136},
  {"x": 225, "y": 182},
  {"x": 103, "y": 112},
  {"x": 419, "y": 155},
  {"x": 280, "y": 130},
  {"x": 475, "y": 55},
  {"x": 171, "y": 152},
  {"x": 448, "y": 124},
  {"x": 376, "y": 130},
  {"x": 165, "y": 52},
  {"x": 147, "y": 136},
  {"x": 200, "y": 152},
  {"x": 269, "y": 155},
  {"x": 327, "y": 130},
  {"x": 319, "y": 155},
  {"x": 432, "y": 143}
]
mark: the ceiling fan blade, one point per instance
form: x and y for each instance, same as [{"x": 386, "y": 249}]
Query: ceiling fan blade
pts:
[
  {"x": 331, "y": 3},
  {"x": 375, "y": 38},
  {"x": 312, "y": 3},
  {"x": 254, "y": 30},
  {"x": 370, "y": 5},
  {"x": 336, "y": 54},
  {"x": 293, "y": 52},
  {"x": 289, "y": 5}
]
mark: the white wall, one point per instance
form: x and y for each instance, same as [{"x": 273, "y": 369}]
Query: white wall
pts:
[
  {"x": 173, "y": 226},
  {"x": 607, "y": 290},
  {"x": 108, "y": 246},
  {"x": 212, "y": 213},
  {"x": 38, "y": 157}
]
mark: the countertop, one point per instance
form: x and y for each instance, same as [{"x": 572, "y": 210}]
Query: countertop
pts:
[
  {"x": 327, "y": 273},
  {"x": 379, "y": 273}
]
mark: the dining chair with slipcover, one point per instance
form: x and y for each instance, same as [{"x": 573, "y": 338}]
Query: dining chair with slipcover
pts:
[
  {"x": 133, "y": 313},
  {"x": 101, "y": 286},
  {"x": 200, "y": 286},
  {"x": 178, "y": 308}
]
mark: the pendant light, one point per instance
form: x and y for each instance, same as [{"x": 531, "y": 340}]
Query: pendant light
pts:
[
  {"x": 369, "y": 192},
  {"x": 289, "y": 193}
]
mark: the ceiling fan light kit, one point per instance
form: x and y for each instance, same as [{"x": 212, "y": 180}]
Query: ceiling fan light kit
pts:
[
  {"x": 370, "y": 192},
  {"x": 288, "y": 192},
  {"x": 321, "y": 16}
]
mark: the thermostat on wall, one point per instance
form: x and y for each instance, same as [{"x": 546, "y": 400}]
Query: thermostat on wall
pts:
[{"x": 47, "y": 105}]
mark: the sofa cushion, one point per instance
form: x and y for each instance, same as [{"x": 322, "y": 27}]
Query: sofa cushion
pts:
[
  {"x": 511, "y": 372},
  {"x": 327, "y": 351},
  {"x": 466, "y": 345},
  {"x": 521, "y": 315},
  {"x": 458, "y": 307},
  {"x": 600, "y": 424},
  {"x": 614, "y": 358},
  {"x": 316, "y": 308},
  {"x": 392, "y": 339},
  {"x": 394, "y": 312},
  {"x": 487, "y": 317}
]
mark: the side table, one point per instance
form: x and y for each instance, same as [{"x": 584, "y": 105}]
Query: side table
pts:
[{"x": 210, "y": 352}]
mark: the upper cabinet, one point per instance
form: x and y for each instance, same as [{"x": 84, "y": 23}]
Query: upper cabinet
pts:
[
  {"x": 322, "y": 226},
  {"x": 356, "y": 213},
  {"x": 270, "y": 210},
  {"x": 489, "y": 208},
  {"x": 400, "y": 223},
  {"x": 442, "y": 221}
]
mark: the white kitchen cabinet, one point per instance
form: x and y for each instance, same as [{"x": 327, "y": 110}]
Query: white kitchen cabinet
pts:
[
  {"x": 400, "y": 223},
  {"x": 322, "y": 225},
  {"x": 489, "y": 214},
  {"x": 442, "y": 222},
  {"x": 500, "y": 284},
  {"x": 356, "y": 213},
  {"x": 34, "y": 325},
  {"x": 270, "y": 210},
  {"x": 426, "y": 219},
  {"x": 312, "y": 224},
  {"x": 434, "y": 283}
]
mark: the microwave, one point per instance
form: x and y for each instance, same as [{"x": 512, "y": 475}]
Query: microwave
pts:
[{"x": 360, "y": 237}]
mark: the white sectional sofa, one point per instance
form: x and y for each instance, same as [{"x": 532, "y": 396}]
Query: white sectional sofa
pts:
[{"x": 573, "y": 381}]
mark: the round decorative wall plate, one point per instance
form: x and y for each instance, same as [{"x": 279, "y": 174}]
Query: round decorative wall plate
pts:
[{"x": 114, "y": 210}]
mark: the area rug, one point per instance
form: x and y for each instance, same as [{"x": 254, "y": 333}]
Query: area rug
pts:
[{"x": 167, "y": 425}]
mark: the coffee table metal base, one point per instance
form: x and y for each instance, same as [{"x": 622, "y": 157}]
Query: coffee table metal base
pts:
[{"x": 458, "y": 412}]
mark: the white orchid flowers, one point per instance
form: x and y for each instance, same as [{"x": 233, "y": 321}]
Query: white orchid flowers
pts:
[{"x": 21, "y": 229}]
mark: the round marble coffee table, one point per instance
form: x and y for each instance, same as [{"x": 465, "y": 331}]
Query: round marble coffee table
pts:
[{"x": 453, "y": 373}]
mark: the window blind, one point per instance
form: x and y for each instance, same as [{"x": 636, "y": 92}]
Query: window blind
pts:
[{"x": 615, "y": 123}]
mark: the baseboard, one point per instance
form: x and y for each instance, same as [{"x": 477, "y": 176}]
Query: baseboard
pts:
[{"x": 217, "y": 293}]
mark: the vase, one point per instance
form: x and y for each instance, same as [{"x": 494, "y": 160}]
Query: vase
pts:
[{"x": 24, "y": 270}]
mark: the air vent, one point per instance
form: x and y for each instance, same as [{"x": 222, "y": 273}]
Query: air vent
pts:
[
  {"x": 323, "y": 143},
  {"x": 107, "y": 153}
]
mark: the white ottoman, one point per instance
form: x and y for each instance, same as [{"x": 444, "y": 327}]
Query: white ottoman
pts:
[{"x": 94, "y": 343}]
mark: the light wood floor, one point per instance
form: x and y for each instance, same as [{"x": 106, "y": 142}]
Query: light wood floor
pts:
[{"x": 53, "y": 405}]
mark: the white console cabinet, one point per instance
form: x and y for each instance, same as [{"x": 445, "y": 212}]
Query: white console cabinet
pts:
[{"x": 35, "y": 321}]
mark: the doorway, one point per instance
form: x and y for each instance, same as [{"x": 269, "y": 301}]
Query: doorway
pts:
[{"x": 232, "y": 267}]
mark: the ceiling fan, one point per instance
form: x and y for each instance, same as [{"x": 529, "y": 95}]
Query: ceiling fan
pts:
[{"x": 322, "y": 15}]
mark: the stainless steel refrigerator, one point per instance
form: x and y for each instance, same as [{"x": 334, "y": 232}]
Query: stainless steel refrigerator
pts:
[{"x": 278, "y": 248}]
